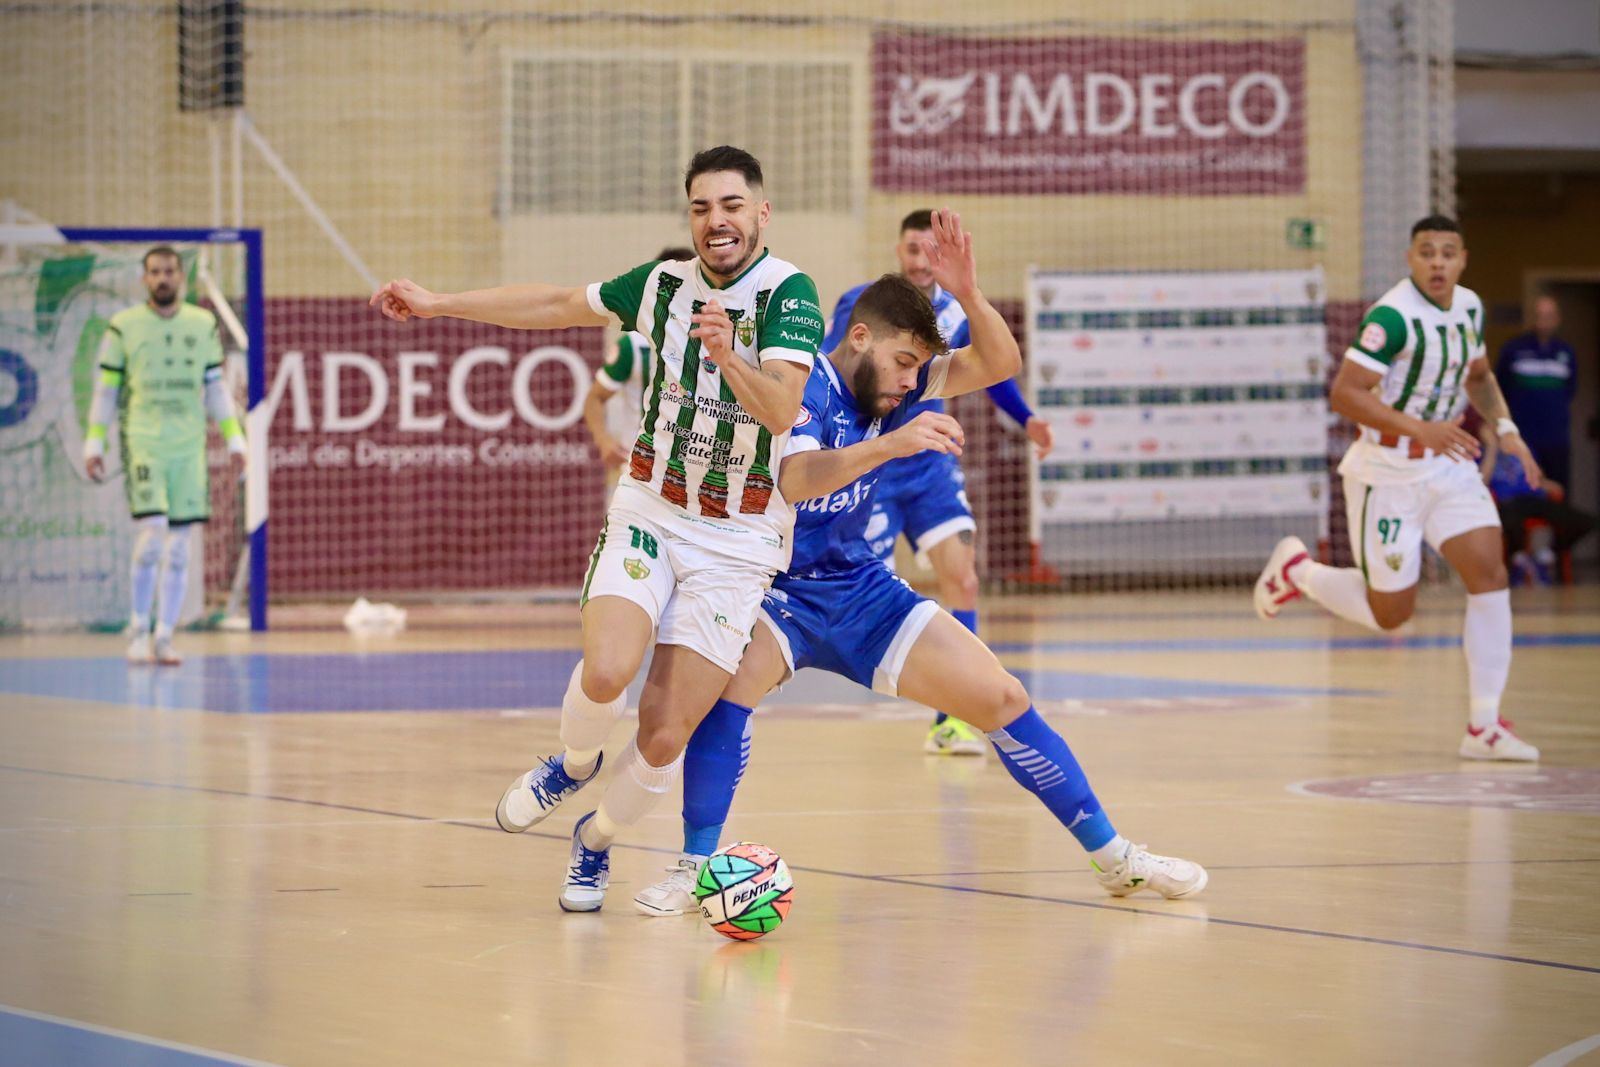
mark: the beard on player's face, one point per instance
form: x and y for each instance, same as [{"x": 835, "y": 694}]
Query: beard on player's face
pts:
[
  {"x": 728, "y": 246},
  {"x": 164, "y": 294},
  {"x": 867, "y": 386}
]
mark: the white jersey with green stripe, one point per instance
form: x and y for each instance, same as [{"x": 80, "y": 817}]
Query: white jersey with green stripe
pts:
[
  {"x": 699, "y": 451},
  {"x": 627, "y": 370},
  {"x": 1422, "y": 350}
]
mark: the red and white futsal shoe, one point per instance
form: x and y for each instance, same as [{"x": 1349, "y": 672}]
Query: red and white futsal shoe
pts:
[
  {"x": 1273, "y": 588},
  {"x": 1497, "y": 742}
]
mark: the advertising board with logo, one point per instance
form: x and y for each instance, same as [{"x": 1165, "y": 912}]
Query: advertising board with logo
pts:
[
  {"x": 1088, "y": 115},
  {"x": 1180, "y": 396},
  {"x": 430, "y": 455}
]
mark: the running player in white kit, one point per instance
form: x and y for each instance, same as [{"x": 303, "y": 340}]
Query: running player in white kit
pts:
[{"x": 1416, "y": 364}]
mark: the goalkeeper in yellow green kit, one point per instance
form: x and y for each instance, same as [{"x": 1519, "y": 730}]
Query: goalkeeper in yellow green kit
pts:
[{"x": 161, "y": 372}]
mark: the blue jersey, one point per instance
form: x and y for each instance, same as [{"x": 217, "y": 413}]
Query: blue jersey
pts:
[
  {"x": 830, "y": 531},
  {"x": 1539, "y": 381}
]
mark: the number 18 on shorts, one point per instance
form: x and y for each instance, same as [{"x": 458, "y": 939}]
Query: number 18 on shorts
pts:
[{"x": 697, "y": 583}]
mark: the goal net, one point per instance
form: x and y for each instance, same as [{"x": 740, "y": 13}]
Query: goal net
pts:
[
  {"x": 67, "y": 537},
  {"x": 1145, "y": 162}
]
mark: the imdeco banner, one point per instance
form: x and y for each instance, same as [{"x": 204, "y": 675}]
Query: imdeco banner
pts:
[{"x": 1088, "y": 115}]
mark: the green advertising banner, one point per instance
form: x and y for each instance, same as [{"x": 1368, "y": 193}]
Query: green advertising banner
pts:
[{"x": 64, "y": 539}]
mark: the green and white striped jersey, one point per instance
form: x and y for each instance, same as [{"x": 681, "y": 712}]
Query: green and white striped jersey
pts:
[
  {"x": 628, "y": 371},
  {"x": 1422, "y": 351},
  {"x": 698, "y": 448}
]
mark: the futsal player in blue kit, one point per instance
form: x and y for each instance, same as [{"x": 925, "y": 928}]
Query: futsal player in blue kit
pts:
[
  {"x": 840, "y": 609},
  {"x": 924, "y": 496}
]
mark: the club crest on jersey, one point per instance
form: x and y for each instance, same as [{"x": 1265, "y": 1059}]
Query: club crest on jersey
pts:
[
  {"x": 1394, "y": 559},
  {"x": 636, "y": 569},
  {"x": 745, "y": 330}
]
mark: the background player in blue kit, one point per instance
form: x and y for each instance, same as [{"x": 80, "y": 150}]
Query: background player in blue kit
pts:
[
  {"x": 924, "y": 495},
  {"x": 839, "y": 608}
]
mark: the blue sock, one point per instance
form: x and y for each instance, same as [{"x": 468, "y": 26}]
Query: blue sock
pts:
[
  {"x": 969, "y": 619},
  {"x": 1039, "y": 759},
  {"x": 714, "y": 763}
]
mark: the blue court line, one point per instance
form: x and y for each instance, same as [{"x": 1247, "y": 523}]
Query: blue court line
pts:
[
  {"x": 33, "y": 1039},
  {"x": 1287, "y": 644},
  {"x": 457, "y": 681},
  {"x": 1121, "y": 908}
]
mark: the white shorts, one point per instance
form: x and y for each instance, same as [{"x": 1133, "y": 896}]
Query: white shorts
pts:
[
  {"x": 699, "y": 595},
  {"x": 1388, "y": 523}
]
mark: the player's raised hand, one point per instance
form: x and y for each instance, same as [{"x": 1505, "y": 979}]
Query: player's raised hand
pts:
[
  {"x": 404, "y": 299},
  {"x": 1042, "y": 434},
  {"x": 1449, "y": 439},
  {"x": 950, "y": 256},
  {"x": 1512, "y": 444},
  {"x": 714, "y": 330},
  {"x": 931, "y": 431}
]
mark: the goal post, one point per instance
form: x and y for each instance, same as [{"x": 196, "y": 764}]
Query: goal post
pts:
[{"x": 67, "y": 536}]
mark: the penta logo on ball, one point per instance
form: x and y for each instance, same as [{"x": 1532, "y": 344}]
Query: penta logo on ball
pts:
[{"x": 416, "y": 380}]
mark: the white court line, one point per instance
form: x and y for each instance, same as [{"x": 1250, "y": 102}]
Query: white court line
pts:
[
  {"x": 137, "y": 1039},
  {"x": 1562, "y": 1056},
  {"x": 368, "y": 823}
]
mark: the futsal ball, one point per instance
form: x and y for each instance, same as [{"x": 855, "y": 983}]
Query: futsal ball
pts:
[{"x": 744, "y": 890}]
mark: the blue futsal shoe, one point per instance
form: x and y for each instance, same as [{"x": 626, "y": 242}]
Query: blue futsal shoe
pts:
[{"x": 533, "y": 796}]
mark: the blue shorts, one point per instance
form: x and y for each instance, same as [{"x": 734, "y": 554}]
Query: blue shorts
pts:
[
  {"x": 925, "y": 497},
  {"x": 858, "y": 623}
]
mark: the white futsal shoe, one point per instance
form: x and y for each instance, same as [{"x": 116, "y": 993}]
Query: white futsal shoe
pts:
[
  {"x": 1143, "y": 869},
  {"x": 166, "y": 655},
  {"x": 588, "y": 874},
  {"x": 1273, "y": 588},
  {"x": 674, "y": 894},
  {"x": 139, "y": 651},
  {"x": 534, "y": 795},
  {"x": 1497, "y": 742}
]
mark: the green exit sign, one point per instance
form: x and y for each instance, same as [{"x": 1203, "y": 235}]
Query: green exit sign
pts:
[{"x": 1305, "y": 233}]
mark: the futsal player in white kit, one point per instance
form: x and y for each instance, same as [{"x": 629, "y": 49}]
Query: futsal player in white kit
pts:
[
  {"x": 1417, "y": 362},
  {"x": 697, "y": 527}
]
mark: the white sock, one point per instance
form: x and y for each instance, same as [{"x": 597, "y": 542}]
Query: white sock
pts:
[
  {"x": 147, "y": 538},
  {"x": 174, "y": 580},
  {"x": 1108, "y": 855},
  {"x": 1486, "y": 639},
  {"x": 633, "y": 791},
  {"x": 1341, "y": 590},
  {"x": 585, "y": 725}
]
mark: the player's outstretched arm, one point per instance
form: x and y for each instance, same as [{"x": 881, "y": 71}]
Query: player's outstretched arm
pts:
[
  {"x": 530, "y": 306},
  {"x": 1352, "y": 396},
  {"x": 993, "y": 355},
  {"x": 1484, "y": 392},
  {"x": 818, "y": 471}
]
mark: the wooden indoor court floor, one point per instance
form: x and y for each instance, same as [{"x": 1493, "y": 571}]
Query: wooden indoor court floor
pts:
[{"x": 284, "y": 852}]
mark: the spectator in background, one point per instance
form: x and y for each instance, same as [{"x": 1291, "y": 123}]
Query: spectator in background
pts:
[
  {"x": 1518, "y": 502},
  {"x": 1539, "y": 378}
]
